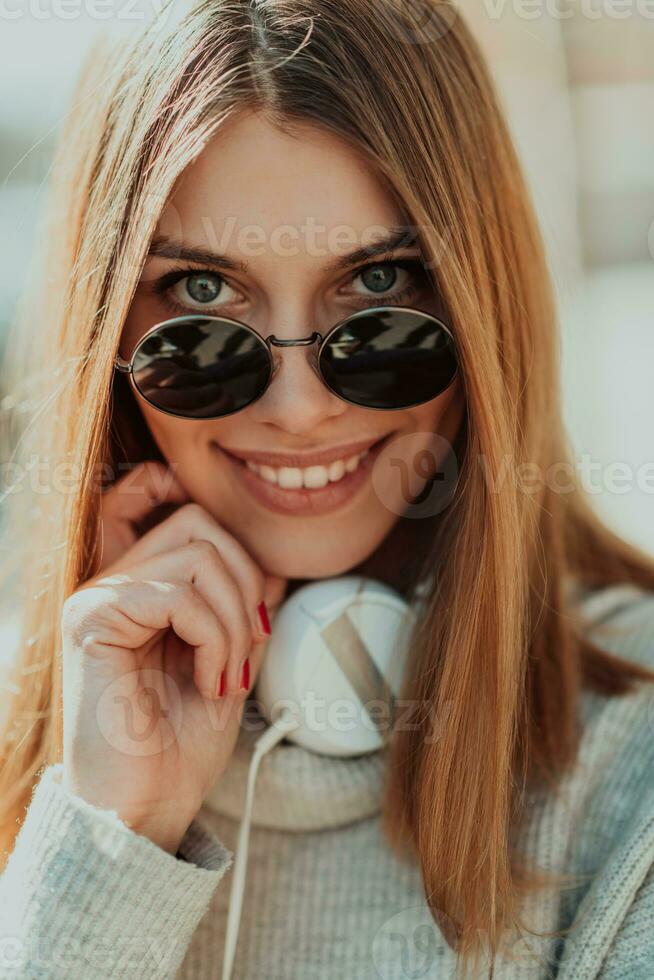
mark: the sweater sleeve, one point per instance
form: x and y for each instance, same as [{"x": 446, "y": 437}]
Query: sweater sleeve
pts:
[
  {"x": 82, "y": 895},
  {"x": 631, "y": 954}
]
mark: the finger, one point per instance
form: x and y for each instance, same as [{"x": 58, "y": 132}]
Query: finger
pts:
[
  {"x": 121, "y": 614},
  {"x": 201, "y": 563},
  {"x": 276, "y": 587},
  {"x": 192, "y": 523}
]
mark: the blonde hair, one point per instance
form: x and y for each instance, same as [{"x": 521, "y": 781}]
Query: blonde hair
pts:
[{"x": 499, "y": 655}]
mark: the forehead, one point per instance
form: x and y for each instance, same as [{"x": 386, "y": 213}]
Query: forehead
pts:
[{"x": 255, "y": 185}]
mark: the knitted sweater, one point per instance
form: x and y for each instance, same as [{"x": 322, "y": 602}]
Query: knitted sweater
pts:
[{"x": 83, "y": 897}]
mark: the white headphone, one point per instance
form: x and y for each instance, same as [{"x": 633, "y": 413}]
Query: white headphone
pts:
[
  {"x": 328, "y": 677},
  {"x": 334, "y": 664}
]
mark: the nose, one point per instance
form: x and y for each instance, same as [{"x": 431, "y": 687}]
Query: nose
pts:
[{"x": 296, "y": 400}]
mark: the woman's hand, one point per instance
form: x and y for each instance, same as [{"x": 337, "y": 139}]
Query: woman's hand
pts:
[{"x": 145, "y": 642}]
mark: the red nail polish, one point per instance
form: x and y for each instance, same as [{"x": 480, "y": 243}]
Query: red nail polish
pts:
[
  {"x": 245, "y": 678},
  {"x": 221, "y": 684},
  {"x": 263, "y": 617}
]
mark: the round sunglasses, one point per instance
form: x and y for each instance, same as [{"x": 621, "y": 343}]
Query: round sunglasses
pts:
[{"x": 208, "y": 367}]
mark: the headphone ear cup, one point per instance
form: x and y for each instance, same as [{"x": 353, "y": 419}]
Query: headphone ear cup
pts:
[{"x": 336, "y": 659}]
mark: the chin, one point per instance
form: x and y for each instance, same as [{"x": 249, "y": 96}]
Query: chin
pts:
[
  {"x": 294, "y": 563},
  {"x": 297, "y": 567},
  {"x": 309, "y": 548}
]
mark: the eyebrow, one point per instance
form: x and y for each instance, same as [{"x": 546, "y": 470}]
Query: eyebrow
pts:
[{"x": 165, "y": 247}]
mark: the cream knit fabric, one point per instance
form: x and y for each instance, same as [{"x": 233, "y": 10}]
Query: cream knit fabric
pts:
[{"x": 85, "y": 898}]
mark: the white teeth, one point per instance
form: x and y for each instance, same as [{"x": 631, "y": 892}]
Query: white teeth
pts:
[
  {"x": 315, "y": 477},
  {"x": 289, "y": 477},
  {"x": 336, "y": 470},
  {"x": 311, "y": 477},
  {"x": 268, "y": 474}
]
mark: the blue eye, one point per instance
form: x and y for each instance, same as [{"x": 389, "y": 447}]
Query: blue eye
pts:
[
  {"x": 389, "y": 281},
  {"x": 203, "y": 287},
  {"x": 379, "y": 278},
  {"x": 189, "y": 290}
]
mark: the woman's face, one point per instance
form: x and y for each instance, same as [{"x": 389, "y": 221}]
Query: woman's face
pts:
[{"x": 285, "y": 213}]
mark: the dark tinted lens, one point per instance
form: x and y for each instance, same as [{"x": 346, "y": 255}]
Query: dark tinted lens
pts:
[
  {"x": 389, "y": 359},
  {"x": 201, "y": 367}
]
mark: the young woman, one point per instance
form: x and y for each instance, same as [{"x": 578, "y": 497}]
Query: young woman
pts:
[{"x": 324, "y": 200}]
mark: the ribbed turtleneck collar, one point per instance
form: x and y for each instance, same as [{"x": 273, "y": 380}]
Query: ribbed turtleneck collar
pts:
[
  {"x": 300, "y": 790},
  {"x": 297, "y": 789}
]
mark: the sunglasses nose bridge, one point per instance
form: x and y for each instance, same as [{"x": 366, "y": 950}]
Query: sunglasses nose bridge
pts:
[{"x": 273, "y": 341}]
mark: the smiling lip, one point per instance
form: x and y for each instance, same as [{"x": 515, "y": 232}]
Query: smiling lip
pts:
[
  {"x": 301, "y": 460},
  {"x": 305, "y": 501}
]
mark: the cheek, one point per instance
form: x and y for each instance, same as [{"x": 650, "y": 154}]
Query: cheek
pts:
[
  {"x": 435, "y": 416},
  {"x": 139, "y": 319},
  {"x": 443, "y": 416},
  {"x": 174, "y": 437},
  {"x": 421, "y": 451}
]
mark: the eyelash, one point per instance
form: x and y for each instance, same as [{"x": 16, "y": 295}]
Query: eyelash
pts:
[{"x": 161, "y": 286}]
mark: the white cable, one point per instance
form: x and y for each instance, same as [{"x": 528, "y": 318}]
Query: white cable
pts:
[{"x": 285, "y": 722}]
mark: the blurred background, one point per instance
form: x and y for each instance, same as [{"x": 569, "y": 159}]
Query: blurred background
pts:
[{"x": 576, "y": 78}]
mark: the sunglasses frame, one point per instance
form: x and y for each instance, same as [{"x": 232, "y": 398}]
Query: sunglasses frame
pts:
[{"x": 127, "y": 366}]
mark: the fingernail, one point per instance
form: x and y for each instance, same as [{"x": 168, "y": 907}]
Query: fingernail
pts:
[
  {"x": 221, "y": 685},
  {"x": 245, "y": 675},
  {"x": 263, "y": 618}
]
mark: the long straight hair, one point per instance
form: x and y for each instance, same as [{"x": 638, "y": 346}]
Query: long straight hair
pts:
[{"x": 500, "y": 659}]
